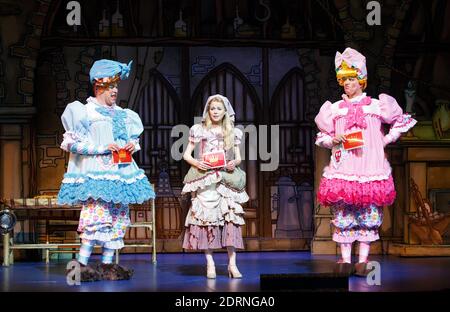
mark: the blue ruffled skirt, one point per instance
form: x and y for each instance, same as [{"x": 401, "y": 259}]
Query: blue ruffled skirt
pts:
[{"x": 107, "y": 186}]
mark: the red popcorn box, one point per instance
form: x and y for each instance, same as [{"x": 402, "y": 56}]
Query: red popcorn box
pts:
[
  {"x": 122, "y": 157},
  {"x": 215, "y": 159},
  {"x": 354, "y": 140}
]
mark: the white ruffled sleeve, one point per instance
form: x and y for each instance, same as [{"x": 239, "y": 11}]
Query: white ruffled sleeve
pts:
[
  {"x": 237, "y": 136},
  {"x": 134, "y": 128},
  {"x": 392, "y": 114},
  {"x": 196, "y": 133},
  {"x": 76, "y": 124}
]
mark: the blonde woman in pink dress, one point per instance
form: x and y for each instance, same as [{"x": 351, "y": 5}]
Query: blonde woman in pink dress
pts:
[
  {"x": 215, "y": 218},
  {"x": 358, "y": 182}
]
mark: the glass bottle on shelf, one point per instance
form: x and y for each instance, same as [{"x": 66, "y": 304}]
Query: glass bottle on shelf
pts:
[
  {"x": 237, "y": 22},
  {"x": 103, "y": 26},
  {"x": 410, "y": 97},
  {"x": 180, "y": 27},
  {"x": 117, "y": 23},
  {"x": 288, "y": 30}
]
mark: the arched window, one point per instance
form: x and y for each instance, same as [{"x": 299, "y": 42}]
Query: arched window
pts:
[
  {"x": 293, "y": 192},
  {"x": 296, "y": 133},
  {"x": 158, "y": 107},
  {"x": 228, "y": 81}
]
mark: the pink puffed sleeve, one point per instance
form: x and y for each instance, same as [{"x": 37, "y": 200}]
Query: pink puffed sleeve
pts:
[
  {"x": 196, "y": 133},
  {"x": 325, "y": 123},
  {"x": 392, "y": 114}
]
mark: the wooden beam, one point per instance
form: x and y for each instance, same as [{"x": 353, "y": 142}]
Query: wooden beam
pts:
[{"x": 52, "y": 41}]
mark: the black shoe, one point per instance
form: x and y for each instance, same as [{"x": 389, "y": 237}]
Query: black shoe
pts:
[
  {"x": 87, "y": 273},
  {"x": 361, "y": 269},
  {"x": 114, "y": 272},
  {"x": 344, "y": 268}
]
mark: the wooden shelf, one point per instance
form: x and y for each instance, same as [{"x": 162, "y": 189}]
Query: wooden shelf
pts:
[
  {"x": 424, "y": 143},
  {"x": 407, "y": 48},
  {"x": 13, "y": 113},
  {"x": 406, "y": 250},
  {"x": 171, "y": 41}
]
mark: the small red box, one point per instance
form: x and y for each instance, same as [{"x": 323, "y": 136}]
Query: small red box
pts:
[
  {"x": 122, "y": 157},
  {"x": 215, "y": 159},
  {"x": 354, "y": 140}
]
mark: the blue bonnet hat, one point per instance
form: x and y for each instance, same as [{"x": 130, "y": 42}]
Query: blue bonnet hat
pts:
[{"x": 106, "y": 68}]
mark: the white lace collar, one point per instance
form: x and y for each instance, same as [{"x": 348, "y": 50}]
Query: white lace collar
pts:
[
  {"x": 358, "y": 98},
  {"x": 93, "y": 100}
]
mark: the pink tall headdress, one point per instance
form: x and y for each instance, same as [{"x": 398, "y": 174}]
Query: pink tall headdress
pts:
[{"x": 350, "y": 61}]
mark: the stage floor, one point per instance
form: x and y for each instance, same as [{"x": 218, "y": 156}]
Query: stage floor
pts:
[{"x": 186, "y": 273}]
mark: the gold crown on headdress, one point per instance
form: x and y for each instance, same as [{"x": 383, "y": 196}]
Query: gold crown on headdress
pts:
[{"x": 344, "y": 71}]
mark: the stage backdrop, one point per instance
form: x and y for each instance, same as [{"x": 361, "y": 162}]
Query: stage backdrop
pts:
[{"x": 274, "y": 61}]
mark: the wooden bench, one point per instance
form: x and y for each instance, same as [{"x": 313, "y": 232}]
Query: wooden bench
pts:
[{"x": 45, "y": 208}]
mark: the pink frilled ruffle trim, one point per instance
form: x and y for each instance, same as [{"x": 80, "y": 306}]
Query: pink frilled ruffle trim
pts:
[
  {"x": 213, "y": 237},
  {"x": 361, "y": 194}
]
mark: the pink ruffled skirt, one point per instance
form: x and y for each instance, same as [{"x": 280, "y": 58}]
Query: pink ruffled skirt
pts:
[
  {"x": 361, "y": 194},
  {"x": 213, "y": 237}
]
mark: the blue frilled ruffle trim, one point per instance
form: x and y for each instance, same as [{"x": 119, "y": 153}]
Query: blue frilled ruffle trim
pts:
[
  {"x": 99, "y": 174},
  {"x": 118, "y": 117},
  {"x": 115, "y": 191}
]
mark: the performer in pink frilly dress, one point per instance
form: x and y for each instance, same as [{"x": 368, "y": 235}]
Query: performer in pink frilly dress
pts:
[{"x": 358, "y": 182}]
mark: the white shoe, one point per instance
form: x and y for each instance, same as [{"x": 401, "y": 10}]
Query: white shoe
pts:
[
  {"x": 210, "y": 271},
  {"x": 234, "y": 272}
]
